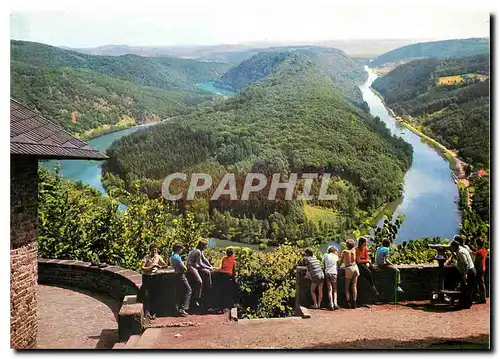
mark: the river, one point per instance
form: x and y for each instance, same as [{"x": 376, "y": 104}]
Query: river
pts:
[
  {"x": 429, "y": 196},
  {"x": 429, "y": 192},
  {"x": 89, "y": 172}
]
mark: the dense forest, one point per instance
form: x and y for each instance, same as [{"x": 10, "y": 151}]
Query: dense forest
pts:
[
  {"x": 293, "y": 120},
  {"x": 345, "y": 73},
  {"x": 448, "y": 99},
  {"x": 82, "y": 101},
  {"x": 436, "y": 49},
  {"x": 162, "y": 72},
  {"x": 89, "y": 95}
]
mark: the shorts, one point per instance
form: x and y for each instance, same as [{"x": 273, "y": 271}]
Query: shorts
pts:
[
  {"x": 319, "y": 279},
  {"x": 351, "y": 271},
  {"x": 332, "y": 277}
]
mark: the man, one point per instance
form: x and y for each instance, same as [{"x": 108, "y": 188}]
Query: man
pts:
[
  {"x": 182, "y": 282},
  {"x": 465, "y": 266},
  {"x": 199, "y": 265},
  {"x": 150, "y": 265},
  {"x": 382, "y": 261}
]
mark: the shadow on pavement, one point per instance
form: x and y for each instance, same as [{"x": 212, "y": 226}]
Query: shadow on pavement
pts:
[
  {"x": 107, "y": 338},
  {"x": 431, "y": 308}
]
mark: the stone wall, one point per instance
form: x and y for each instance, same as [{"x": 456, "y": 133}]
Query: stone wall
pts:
[
  {"x": 23, "y": 251},
  {"x": 113, "y": 281},
  {"x": 418, "y": 282}
]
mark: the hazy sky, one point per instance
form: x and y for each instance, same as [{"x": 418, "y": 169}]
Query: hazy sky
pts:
[{"x": 221, "y": 21}]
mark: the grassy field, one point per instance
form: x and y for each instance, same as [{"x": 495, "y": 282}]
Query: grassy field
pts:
[
  {"x": 317, "y": 214},
  {"x": 451, "y": 80}
]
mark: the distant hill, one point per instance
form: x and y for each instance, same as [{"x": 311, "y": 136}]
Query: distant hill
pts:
[
  {"x": 163, "y": 72},
  {"x": 437, "y": 49},
  {"x": 89, "y": 95},
  {"x": 236, "y": 53},
  {"x": 87, "y": 103},
  {"x": 345, "y": 73},
  {"x": 448, "y": 98}
]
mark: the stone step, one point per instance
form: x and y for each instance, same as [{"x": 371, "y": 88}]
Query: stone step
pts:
[
  {"x": 119, "y": 345},
  {"x": 132, "y": 341},
  {"x": 148, "y": 338}
]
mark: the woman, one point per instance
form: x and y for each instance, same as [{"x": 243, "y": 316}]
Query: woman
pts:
[
  {"x": 330, "y": 260},
  {"x": 348, "y": 257},
  {"x": 363, "y": 261}
]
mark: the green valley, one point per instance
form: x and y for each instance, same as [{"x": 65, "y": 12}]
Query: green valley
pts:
[
  {"x": 91, "y": 95},
  {"x": 291, "y": 118}
]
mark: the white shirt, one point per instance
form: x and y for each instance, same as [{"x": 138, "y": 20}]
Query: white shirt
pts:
[
  {"x": 464, "y": 260},
  {"x": 330, "y": 260}
]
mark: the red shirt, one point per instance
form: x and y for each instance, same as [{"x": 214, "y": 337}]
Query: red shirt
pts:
[
  {"x": 480, "y": 259},
  {"x": 362, "y": 255},
  {"x": 227, "y": 265}
]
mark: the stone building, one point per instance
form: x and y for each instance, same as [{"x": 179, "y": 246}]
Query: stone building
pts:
[{"x": 32, "y": 137}]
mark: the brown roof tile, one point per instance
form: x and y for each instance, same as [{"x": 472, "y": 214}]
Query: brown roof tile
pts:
[{"x": 32, "y": 134}]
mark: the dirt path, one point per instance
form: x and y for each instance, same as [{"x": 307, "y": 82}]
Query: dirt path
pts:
[{"x": 383, "y": 326}]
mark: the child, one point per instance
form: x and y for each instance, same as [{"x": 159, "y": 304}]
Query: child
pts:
[
  {"x": 182, "y": 282},
  {"x": 382, "y": 260},
  {"x": 330, "y": 260},
  {"x": 480, "y": 255},
  {"x": 315, "y": 273},
  {"x": 226, "y": 275}
]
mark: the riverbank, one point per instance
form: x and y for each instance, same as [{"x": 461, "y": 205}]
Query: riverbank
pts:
[
  {"x": 456, "y": 164},
  {"x": 103, "y": 131},
  {"x": 430, "y": 196}
]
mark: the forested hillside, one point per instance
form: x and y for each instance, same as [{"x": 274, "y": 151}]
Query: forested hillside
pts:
[
  {"x": 85, "y": 102},
  {"x": 162, "y": 72},
  {"x": 345, "y": 73},
  {"x": 90, "y": 95},
  {"x": 292, "y": 121},
  {"x": 435, "y": 49},
  {"x": 448, "y": 98}
]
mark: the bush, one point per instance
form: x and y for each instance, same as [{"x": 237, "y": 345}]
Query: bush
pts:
[
  {"x": 77, "y": 222},
  {"x": 266, "y": 281}
]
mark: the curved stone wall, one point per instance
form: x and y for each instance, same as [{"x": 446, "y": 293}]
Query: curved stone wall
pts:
[{"x": 113, "y": 281}]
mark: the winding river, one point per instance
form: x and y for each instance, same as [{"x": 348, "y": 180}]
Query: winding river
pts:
[
  {"x": 430, "y": 195},
  {"x": 89, "y": 172},
  {"x": 429, "y": 191}
]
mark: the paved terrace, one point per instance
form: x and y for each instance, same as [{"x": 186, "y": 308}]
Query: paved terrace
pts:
[
  {"x": 71, "y": 319},
  {"x": 75, "y": 319},
  {"x": 407, "y": 325}
]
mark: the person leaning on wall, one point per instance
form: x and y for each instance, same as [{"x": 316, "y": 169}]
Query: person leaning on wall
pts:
[
  {"x": 199, "y": 267},
  {"x": 149, "y": 266}
]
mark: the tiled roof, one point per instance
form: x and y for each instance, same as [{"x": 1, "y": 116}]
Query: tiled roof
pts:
[{"x": 32, "y": 134}]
